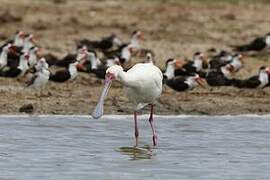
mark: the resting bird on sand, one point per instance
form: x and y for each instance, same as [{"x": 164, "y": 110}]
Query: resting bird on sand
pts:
[
  {"x": 143, "y": 84},
  {"x": 104, "y": 44},
  {"x": 220, "y": 77},
  {"x": 183, "y": 83},
  {"x": 257, "y": 44},
  {"x": 258, "y": 81},
  {"x": 18, "y": 71}
]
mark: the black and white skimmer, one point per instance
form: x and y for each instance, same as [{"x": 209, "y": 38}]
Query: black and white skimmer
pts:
[
  {"x": 17, "y": 41},
  {"x": 88, "y": 60},
  {"x": 197, "y": 65},
  {"x": 144, "y": 85},
  {"x": 126, "y": 51},
  {"x": 220, "y": 77},
  {"x": 183, "y": 83},
  {"x": 4, "y": 55},
  {"x": 100, "y": 71},
  {"x": 29, "y": 42},
  {"x": 66, "y": 74},
  {"x": 237, "y": 62},
  {"x": 219, "y": 60},
  {"x": 52, "y": 60},
  {"x": 19, "y": 70},
  {"x": 258, "y": 81},
  {"x": 105, "y": 44},
  {"x": 258, "y": 44},
  {"x": 174, "y": 68}
]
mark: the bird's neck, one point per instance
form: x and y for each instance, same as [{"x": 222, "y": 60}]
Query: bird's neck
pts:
[
  {"x": 125, "y": 79},
  {"x": 93, "y": 62},
  {"x": 263, "y": 77},
  {"x": 18, "y": 41},
  {"x": 169, "y": 72},
  {"x": 3, "y": 57},
  {"x": 267, "y": 40},
  {"x": 23, "y": 64},
  {"x": 27, "y": 45},
  {"x": 72, "y": 70},
  {"x": 125, "y": 54},
  {"x": 198, "y": 64}
]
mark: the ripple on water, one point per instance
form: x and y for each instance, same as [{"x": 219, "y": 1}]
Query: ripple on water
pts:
[{"x": 78, "y": 147}]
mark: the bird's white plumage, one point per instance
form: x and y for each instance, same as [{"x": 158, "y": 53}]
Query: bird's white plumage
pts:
[
  {"x": 4, "y": 55},
  {"x": 41, "y": 76},
  {"x": 263, "y": 78},
  {"x": 143, "y": 83},
  {"x": 73, "y": 70}
]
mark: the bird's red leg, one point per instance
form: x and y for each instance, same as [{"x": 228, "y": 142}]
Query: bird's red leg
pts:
[
  {"x": 136, "y": 129},
  {"x": 152, "y": 127}
]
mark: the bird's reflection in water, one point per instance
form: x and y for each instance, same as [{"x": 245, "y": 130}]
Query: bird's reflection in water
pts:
[{"x": 137, "y": 153}]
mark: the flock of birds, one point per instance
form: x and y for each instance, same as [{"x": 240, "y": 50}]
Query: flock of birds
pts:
[
  {"x": 144, "y": 81},
  {"x": 22, "y": 55}
]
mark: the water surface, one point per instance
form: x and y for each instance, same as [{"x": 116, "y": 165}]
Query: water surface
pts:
[{"x": 189, "y": 147}]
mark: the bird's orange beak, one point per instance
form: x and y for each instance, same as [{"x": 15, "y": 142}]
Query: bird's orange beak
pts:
[
  {"x": 199, "y": 80},
  {"x": 34, "y": 40},
  {"x": 80, "y": 66},
  {"x": 179, "y": 63},
  {"x": 98, "y": 111}
]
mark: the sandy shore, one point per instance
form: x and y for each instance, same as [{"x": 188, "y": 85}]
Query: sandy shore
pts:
[{"x": 175, "y": 29}]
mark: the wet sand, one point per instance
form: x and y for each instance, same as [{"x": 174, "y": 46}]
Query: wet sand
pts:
[{"x": 175, "y": 29}]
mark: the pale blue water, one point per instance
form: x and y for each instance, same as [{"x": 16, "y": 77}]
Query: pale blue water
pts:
[{"x": 210, "y": 148}]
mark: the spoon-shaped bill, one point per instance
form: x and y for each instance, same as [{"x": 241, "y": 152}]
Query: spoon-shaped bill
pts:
[{"x": 98, "y": 111}]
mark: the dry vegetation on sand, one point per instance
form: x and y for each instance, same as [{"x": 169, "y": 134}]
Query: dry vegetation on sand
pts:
[{"x": 171, "y": 28}]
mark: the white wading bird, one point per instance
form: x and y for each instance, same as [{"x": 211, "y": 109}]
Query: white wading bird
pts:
[{"x": 143, "y": 84}]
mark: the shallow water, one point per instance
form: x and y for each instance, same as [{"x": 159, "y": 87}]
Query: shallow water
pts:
[{"x": 76, "y": 147}]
